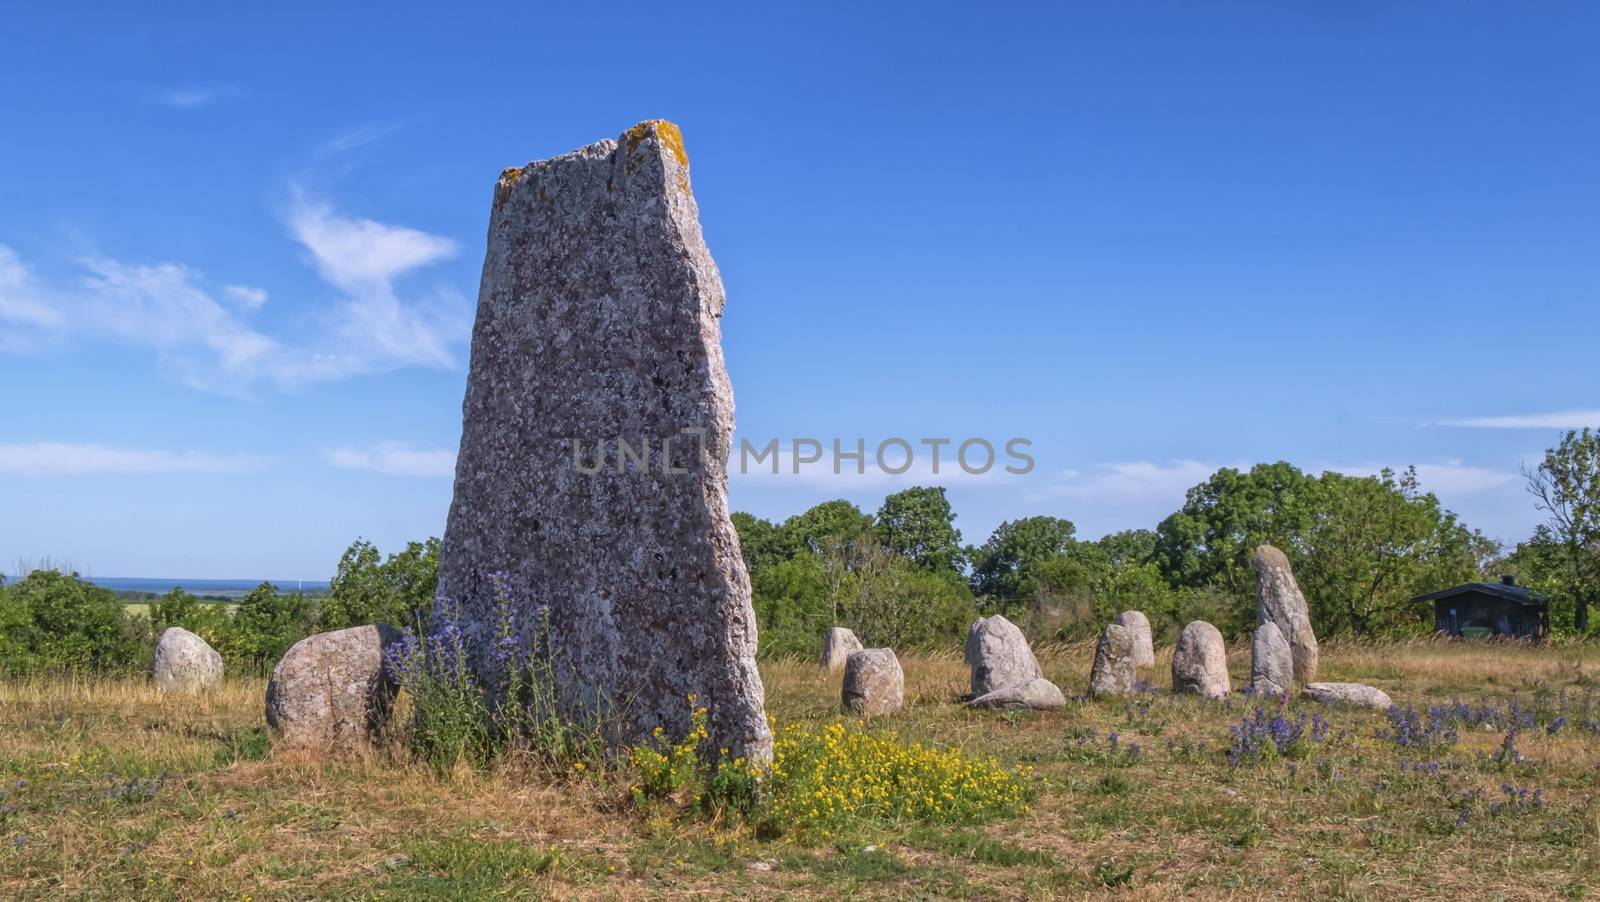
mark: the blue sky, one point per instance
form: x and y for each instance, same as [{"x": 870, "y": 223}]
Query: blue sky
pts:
[{"x": 239, "y": 249}]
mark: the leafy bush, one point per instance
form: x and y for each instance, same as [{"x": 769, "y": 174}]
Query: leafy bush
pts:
[
  {"x": 262, "y": 628},
  {"x": 369, "y": 589},
  {"x": 55, "y": 621}
]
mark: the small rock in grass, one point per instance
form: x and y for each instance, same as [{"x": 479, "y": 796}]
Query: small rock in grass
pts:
[
  {"x": 873, "y": 682},
  {"x": 184, "y": 662},
  {"x": 999, "y": 655},
  {"x": 1355, "y": 694},
  {"x": 837, "y": 645},
  {"x": 1271, "y": 661},
  {"x": 1037, "y": 695},
  {"x": 1114, "y": 671}
]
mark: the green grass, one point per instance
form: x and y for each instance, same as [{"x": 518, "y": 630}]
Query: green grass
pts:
[{"x": 108, "y": 790}]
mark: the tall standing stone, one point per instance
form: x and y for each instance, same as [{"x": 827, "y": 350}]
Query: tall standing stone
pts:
[
  {"x": 1144, "y": 643},
  {"x": 1114, "y": 672},
  {"x": 1271, "y": 661},
  {"x": 1200, "y": 662},
  {"x": 1278, "y": 600},
  {"x": 837, "y": 644},
  {"x": 595, "y": 430},
  {"x": 999, "y": 655}
]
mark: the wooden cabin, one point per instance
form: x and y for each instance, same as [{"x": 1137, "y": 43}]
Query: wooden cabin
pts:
[{"x": 1478, "y": 610}]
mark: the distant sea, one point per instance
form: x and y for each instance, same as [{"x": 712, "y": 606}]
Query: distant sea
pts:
[{"x": 226, "y": 588}]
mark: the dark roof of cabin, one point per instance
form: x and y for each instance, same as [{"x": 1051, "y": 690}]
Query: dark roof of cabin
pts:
[{"x": 1520, "y": 594}]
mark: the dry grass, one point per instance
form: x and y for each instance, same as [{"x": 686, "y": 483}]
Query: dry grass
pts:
[{"x": 110, "y": 790}]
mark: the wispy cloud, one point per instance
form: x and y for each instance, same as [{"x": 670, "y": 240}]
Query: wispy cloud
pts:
[
  {"x": 205, "y": 330},
  {"x": 363, "y": 258},
  {"x": 395, "y": 459},
  {"x": 1560, "y": 419},
  {"x": 188, "y": 97},
  {"x": 20, "y": 301},
  {"x": 1139, "y": 480},
  {"x": 362, "y": 135},
  {"x": 246, "y": 296},
  {"x": 63, "y": 459}
]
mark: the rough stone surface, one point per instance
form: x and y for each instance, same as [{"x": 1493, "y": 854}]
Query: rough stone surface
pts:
[
  {"x": 1039, "y": 694},
  {"x": 1271, "y": 662},
  {"x": 873, "y": 682},
  {"x": 1347, "y": 694},
  {"x": 185, "y": 662},
  {"x": 1278, "y": 600},
  {"x": 837, "y": 645},
  {"x": 1114, "y": 672},
  {"x": 999, "y": 655},
  {"x": 1200, "y": 662},
  {"x": 1144, "y": 643},
  {"x": 592, "y": 471},
  {"x": 331, "y": 690}
]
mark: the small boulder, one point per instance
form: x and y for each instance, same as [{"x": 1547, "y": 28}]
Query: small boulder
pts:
[
  {"x": 1114, "y": 672},
  {"x": 837, "y": 645},
  {"x": 1279, "y": 601},
  {"x": 1144, "y": 643},
  {"x": 1039, "y": 695},
  {"x": 1355, "y": 694},
  {"x": 1200, "y": 662},
  {"x": 873, "y": 682},
  {"x": 332, "y": 690},
  {"x": 999, "y": 655},
  {"x": 185, "y": 662},
  {"x": 1271, "y": 662}
]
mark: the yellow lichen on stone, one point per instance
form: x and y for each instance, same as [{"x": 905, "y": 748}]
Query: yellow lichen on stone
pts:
[
  {"x": 668, "y": 134},
  {"x": 510, "y": 175}
]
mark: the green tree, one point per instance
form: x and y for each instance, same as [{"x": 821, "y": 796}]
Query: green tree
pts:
[
  {"x": 55, "y": 620},
  {"x": 791, "y": 605},
  {"x": 179, "y": 608},
  {"x": 263, "y": 626},
  {"x": 1004, "y": 567},
  {"x": 1374, "y": 542},
  {"x": 918, "y": 524},
  {"x": 1566, "y": 486},
  {"x": 1209, "y": 541},
  {"x": 369, "y": 589},
  {"x": 761, "y": 542},
  {"x": 829, "y": 525}
]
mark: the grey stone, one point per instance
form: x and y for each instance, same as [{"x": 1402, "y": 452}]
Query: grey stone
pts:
[
  {"x": 595, "y": 431},
  {"x": 1200, "y": 662},
  {"x": 1114, "y": 672},
  {"x": 1271, "y": 662},
  {"x": 185, "y": 662},
  {"x": 332, "y": 691},
  {"x": 1278, "y": 600},
  {"x": 999, "y": 655},
  {"x": 1144, "y": 643},
  {"x": 837, "y": 645},
  {"x": 1354, "y": 694},
  {"x": 873, "y": 682},
  {"x": 1039, "y": 695}
]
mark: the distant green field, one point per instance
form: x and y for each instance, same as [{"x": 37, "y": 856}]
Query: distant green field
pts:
[{"x": 142, "y": 608}]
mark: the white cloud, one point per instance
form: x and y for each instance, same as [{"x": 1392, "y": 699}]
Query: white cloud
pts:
[
  {"x": 394, "y": 459},
  {"x": 363, "y": 258},
  {"x": 190, "y": 97},
  {"x": 203, "y": 329},
  {"x": 246, "y": 296},
  {"x": 168, "y": 307},
  {"x": 1139, "y": 480},
  {"x": 62, "y": 459},
  {"x": 1561, "y": 419},
  {"x": 20, "y": 302},
  {"x": 362, "y": 135}
]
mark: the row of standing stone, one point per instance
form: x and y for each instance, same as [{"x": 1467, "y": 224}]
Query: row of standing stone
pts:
[{"x": 1005, "y": 673}]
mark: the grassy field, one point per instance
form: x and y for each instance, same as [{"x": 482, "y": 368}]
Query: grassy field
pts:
[{"x": 111, "y": 791}]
